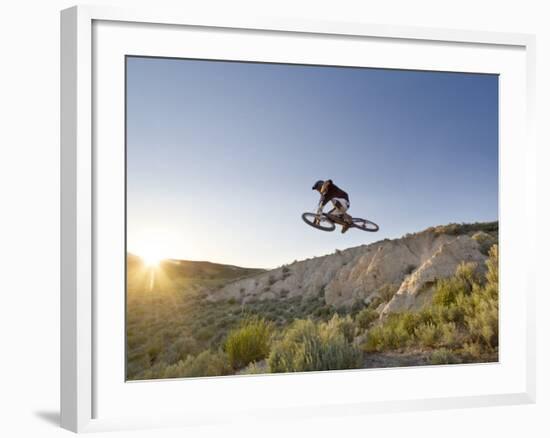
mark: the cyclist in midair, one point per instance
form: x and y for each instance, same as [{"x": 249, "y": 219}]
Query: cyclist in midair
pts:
[{"x": 340, "y": 200}]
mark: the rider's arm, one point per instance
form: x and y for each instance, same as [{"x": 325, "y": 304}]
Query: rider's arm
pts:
[{"x": 322, "y": 202}]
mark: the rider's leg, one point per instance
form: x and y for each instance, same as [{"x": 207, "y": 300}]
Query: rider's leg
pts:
[{"x": 340, "y": 209}]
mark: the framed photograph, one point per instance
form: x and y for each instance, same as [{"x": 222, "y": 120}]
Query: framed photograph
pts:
[{"x": 256, "y": 208}]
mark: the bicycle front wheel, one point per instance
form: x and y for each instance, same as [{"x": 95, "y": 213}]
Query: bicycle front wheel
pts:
[{"x": 320, "y": 222}]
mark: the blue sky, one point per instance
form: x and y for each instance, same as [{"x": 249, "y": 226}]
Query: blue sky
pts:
[{"x": 221, "y": 156}]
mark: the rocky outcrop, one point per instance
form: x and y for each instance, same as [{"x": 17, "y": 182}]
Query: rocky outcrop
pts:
[
  {"x": 304, "y": 278},
  {"x": 418, "y": 287},
  {"x": 401, "y": 273},
  {"x": 381, "y": 269}
]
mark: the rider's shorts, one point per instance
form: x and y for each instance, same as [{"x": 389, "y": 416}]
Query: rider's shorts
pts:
[{"x": 341, "y": 205}]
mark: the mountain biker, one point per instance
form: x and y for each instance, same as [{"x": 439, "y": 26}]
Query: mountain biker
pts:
[{"x": 340, "y": 199}]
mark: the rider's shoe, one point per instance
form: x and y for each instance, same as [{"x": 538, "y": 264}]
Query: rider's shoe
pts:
[{"x": 347, "y": 223}]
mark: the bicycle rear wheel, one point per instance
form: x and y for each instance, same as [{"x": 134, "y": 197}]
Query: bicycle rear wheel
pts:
[
  {"x": 321, "y": 223},
  {"x": 364, "y": 224}
]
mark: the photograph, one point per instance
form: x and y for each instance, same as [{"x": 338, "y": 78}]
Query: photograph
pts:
[{"x": 285, "y": 218}]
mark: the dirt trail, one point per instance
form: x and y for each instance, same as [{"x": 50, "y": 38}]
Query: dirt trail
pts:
[{"x": 395, "y": 359}]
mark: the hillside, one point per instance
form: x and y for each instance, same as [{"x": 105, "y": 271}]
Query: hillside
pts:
[
  {"x": 427, "y": 298},
  {"x": 399, "y": 273}
]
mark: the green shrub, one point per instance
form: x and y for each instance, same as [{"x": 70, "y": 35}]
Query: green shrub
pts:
[
  {"x": 482, "y": 321},
  {"x": 207, "y": 363},
  {"x": 323, "y": 312},
  {"x": 481, "y": 310},
  {"x": 473, "y": 350},
  {"x": 443, "y": 356},
  {"x": 256, "y": 368},
  {"x": 387, "y": 292},
  {"x": 462, "y": 283},
  {"x": 485, "y": 241},
  {"x": 357, "y": 306},
  {"x": 396, "y": 332},
  {"x": 427, "y": 334},
  {"x": 375, "y": 302},
  {"x": 205, "y": 333},
  {"x": 492, "y": 268},
  {"x": 180, "y": 349},
  {"x": 154, "y": 347},
  {"x": 310, "y": 346},
  {"x": 366, "y": 317},
  {"x": 344, "y": 325},
  {"x": 450, "y": 335},
  {"x": 248, "y": 343},
  {"x": 154, "y": 372}
]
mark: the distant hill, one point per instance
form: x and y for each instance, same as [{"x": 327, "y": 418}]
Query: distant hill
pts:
[{"x": 198, "y": 269}]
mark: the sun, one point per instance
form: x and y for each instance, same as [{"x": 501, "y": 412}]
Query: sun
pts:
[
  {"x": 151, "y": 260},
  {"x": 151, "y": 246},
  {"x": 151, "y": 255}
]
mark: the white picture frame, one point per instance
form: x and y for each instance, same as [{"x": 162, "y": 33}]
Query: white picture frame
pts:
[{"x": 89, "y": 42}]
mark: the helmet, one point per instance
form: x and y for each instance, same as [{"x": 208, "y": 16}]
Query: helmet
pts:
[{"x": 318, "y": 185}]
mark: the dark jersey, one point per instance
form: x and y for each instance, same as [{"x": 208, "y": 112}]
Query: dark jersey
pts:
[{"x": 332, "y": 191}]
